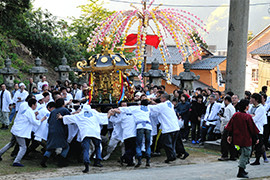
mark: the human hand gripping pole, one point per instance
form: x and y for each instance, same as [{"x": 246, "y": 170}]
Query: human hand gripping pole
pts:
[{"x": 59, "y": 116}]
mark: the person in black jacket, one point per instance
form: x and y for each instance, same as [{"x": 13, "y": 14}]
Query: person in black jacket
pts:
[
  {"x": 197, "y": 110},
  {"x": 182, "y": 111}
]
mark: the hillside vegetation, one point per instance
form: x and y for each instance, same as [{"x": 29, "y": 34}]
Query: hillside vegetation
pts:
[{"x": 27, "y": 33}]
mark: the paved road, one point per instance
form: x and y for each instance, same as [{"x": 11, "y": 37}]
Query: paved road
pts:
[{"x": 215, "y": 170}]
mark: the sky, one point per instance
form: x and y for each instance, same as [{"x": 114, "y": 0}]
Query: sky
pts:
[{"x": 215, "y": 18}]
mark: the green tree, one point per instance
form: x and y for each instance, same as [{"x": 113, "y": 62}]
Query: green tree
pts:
[
  {"x": 92, "y": 15},
  {"x": 11, "y": 11},
  {"x": 198, "y": 39},
  {"x": 250, "y": 35}
]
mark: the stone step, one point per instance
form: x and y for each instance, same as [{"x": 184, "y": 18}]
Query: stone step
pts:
[{"x": 213, "y": 145}]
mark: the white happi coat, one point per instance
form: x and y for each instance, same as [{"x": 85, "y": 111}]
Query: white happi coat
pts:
[
  {"x": 41, "y": 131},
  {"x": 154, "y": 123},
  {"x": 128, "y": 124},
  {"x": 166, "y": 116},
  {"x": 141, "y": 115},
  {"x": 88, "y": 122},
  {"x": 23, "y": 123},
  {"x": 117, "y": 129}
]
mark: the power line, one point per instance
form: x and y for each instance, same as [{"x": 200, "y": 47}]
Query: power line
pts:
[{"x": 190, "y": 6}]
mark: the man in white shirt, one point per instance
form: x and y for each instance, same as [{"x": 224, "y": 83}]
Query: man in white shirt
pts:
[
  {"x": 76, "y": 92},
  {"x": 225, "y": 118},
  {"x": 40, "y": 131},
  {"x": 129, "y": 135},
  {"x": 210, "y": 119},
  {"x": 66, "y": 96},
  {"x": 22, "y": 129},
  {"x": 20, "y": 96},
  {"x": 88, "y": 122},
  {"x": 42, "y": 82},
  {"x": 141, "y": 115},
  {"x": 117, "y": 133},
  {"x": 169, "y": 125},
  {"x": 258, "y": 113},
  {"x": 24, "y": 106},
  {"x": 5, "y": 102}
]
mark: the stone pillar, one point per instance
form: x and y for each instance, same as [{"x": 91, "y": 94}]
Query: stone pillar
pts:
[
  {"x": 37, "y": 70},
  {"x": 63, "y": 70},
  {"x": 237, "y": 47},
  {"x": 8, "y": 74}
]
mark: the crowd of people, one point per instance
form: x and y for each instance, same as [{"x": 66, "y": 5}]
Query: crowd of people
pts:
[{"x": 60, "y": 119}]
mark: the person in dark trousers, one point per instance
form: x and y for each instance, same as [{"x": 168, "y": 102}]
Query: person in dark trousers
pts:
[
  {"x": 258, "y": 113},
  {"x": 227, "y": 148},
  {"x": 210, "y": 119},
  {"x": 57, "y": 135},
  {"x": 266, "y": 127},
  {"x": 182, "y": 111},
  {"x": 241, "y": 130},
  {"x": 197, "y": 110},
  {"x": 169, "y": 125},
  {"x": 128, "y": 125}
]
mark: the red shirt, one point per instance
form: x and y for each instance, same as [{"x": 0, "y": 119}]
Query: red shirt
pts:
[{"x": 242, "y": 128}]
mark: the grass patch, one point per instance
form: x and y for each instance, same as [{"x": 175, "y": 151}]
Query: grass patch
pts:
[{"x": 30, "y": 165}]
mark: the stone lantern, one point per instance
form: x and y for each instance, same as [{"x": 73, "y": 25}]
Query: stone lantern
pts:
[
  {"x": 132, "y": 73},
  {"x": 63, "y": 70},
  {"x": 38, "y": 70},
  {"x": 8, "y": 74},
  {"x": 186, "y": 78},
  {"x": 155, "y": 75}
]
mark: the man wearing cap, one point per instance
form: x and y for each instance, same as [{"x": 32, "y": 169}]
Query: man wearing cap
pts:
[{"x": 20, "y": 96}]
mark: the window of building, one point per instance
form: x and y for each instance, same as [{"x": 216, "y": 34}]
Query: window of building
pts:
[{"x": 255, "y": 74}]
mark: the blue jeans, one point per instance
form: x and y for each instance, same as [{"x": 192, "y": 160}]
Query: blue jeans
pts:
[
  {"x": 139, "y": 139},
  {"x": 63, "y": 153},
  {"x": 12, "y": 114},
  {"x": 86, "y": 146}
]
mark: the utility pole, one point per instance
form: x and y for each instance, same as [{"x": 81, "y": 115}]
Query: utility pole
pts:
[{"x": 237, "y": 47}]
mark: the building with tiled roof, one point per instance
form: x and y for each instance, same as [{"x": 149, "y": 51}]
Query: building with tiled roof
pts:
[
  {"x": 263, "y": 51},
  {"x": 205, "y": 68},
  {"x": 208, "y": 63}
]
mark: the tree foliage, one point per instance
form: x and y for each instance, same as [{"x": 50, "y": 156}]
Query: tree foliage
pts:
[
  {"x": 198, "y": 39},
  {"x": 48, "y": 37},
  {"x": 92, "y": 15},
  {"x": 11, "y": 11}
]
